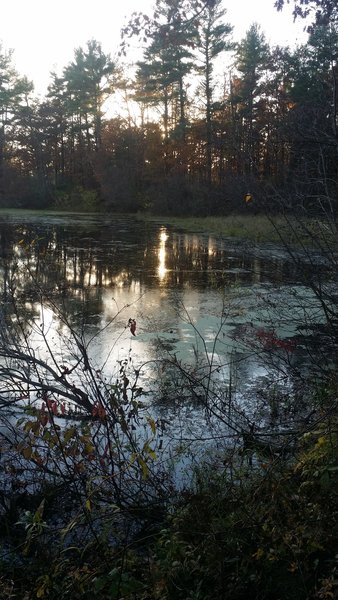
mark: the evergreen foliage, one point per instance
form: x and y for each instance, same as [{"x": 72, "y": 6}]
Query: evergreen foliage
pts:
[{"x": 271, "y": 129}]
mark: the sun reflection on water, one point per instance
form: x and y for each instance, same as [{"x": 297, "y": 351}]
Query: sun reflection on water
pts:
[{"x": 161, "y": 269}]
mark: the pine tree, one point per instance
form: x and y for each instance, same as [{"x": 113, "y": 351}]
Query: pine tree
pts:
[
  {"x": 252, "y": 58},
  {"x": 213, "y": 41},
  {"x": 13, "y": 95}
]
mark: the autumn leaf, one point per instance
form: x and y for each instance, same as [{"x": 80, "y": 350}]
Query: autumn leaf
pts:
[{"x": 27, "y": 452}]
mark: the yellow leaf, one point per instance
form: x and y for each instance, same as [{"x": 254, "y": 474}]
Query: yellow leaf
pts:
[
  {"x": 149, "y": 451},
  {"x": 152, "y": 425},
  {"x": 28, "y": 426},
  {"x": 40, "y": 509},
  {"x": 258, "y": 554},
  {"x": 44, "y": 585},
  {"x": 89, "y": 448},
  {"x": 144, "y": 467},
  {"x": 27, "y": 452},
  {"x": 69, "y": 434},
  {"x": 88, "y": 504}
]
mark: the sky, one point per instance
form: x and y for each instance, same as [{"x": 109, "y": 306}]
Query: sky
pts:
[{"x": 43, "y": 34}]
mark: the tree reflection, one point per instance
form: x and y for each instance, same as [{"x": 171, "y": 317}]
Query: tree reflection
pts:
[{"x": 74, "y": 260}]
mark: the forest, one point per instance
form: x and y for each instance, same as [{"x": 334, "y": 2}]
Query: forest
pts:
[
  {"x": 127, "y": 470},
  {"x": 201, "y": 120}
]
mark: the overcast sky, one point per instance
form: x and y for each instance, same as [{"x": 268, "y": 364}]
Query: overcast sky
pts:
[{"x": 43, "y": 34}]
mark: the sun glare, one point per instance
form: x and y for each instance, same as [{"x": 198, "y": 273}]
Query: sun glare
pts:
[{"x": 161, "y": 269}]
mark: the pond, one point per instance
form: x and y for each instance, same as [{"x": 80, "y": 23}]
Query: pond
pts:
[{"x": 206, "y": 302}]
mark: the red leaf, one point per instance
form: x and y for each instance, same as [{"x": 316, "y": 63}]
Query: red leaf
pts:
[{"x": 132, "y": 326}]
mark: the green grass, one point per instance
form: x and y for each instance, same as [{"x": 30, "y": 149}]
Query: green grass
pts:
[
  {"x": 291, "y": 230},
  {"x": 253, "y": 227}
]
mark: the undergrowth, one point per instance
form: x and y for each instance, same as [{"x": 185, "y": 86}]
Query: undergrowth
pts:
[{"x": 262, "y": 531}]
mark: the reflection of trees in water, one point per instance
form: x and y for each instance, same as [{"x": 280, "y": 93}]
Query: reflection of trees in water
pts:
[
  {"x": 6, "y": 257},
  {"x": 92, "y": 271},
  {"x": 67, "y": 259},
  {"x": 214, "y": 261}
]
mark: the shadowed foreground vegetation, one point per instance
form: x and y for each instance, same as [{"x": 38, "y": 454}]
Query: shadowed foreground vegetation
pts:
[{"x": 268, "y": 531}]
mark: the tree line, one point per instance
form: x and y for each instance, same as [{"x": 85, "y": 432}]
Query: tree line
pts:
[{"x": 196, "y": 145}]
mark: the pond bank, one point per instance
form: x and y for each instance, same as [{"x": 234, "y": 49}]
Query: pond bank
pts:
[
  {"x": 257, "y": 227},
  {"x": 252, "y": 227},
  {"x": 279, "y": 229}
]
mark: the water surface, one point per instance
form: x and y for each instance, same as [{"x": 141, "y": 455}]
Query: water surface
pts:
[{"x": 202, "y": 299}]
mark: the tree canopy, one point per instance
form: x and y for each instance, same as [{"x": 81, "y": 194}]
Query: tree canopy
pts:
[
  {"x": 321, "y": 12},
  {"x": 197, "y": 120}
]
